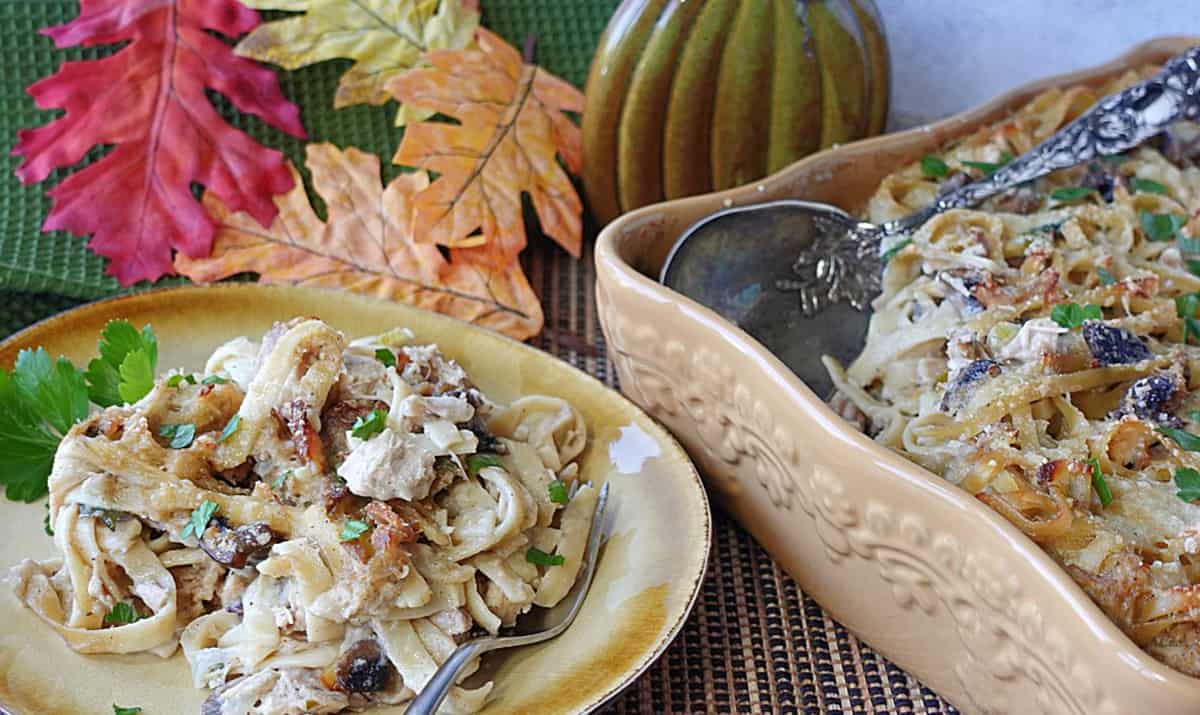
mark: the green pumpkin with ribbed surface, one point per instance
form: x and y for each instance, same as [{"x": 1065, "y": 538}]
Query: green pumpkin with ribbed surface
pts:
[{"x": 690, "y": 96}]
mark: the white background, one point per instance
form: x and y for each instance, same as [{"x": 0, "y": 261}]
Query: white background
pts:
[{"x": 950, "y": 55}]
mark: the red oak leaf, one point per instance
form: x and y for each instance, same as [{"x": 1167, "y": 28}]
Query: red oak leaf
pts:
[{"x": 148, "y": 99}]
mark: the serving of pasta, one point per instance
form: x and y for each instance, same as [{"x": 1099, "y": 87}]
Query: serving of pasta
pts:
[
  {"x": 316, "y": 522},
  {"x": 1042, "y": 352}
]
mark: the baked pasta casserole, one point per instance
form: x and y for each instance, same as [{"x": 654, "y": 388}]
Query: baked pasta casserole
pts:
[{"x": 1042, "y": 352}]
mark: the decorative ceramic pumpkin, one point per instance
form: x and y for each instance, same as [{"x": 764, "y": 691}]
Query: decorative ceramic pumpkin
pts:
[{"x": 690, "y": 96}]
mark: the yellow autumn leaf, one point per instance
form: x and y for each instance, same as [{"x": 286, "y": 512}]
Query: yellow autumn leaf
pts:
[
  {"x": 365, "y": 246},
  {"x": 383, "y": 37}
]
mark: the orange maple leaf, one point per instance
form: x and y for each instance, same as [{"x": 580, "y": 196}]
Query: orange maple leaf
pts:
[
  {"x": 365, "y": 246},
  {"x": 513, "y": 125}
]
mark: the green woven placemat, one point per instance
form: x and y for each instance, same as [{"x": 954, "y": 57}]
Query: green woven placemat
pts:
[{"x": 59, "y": 263}]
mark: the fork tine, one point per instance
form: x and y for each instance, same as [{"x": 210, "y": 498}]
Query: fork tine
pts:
[{"x": 434, "y": 692}]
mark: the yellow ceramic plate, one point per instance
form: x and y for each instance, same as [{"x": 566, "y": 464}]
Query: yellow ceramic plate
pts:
[{"x": 648, "y": 575}]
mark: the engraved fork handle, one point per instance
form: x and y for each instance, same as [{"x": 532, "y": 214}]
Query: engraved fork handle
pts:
[{"x": 1117, "y": 123}]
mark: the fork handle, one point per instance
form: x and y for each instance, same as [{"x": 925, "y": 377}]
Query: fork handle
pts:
[
  {"x": 431, "y": 696},
  {"x": 1117, "y": 123}
]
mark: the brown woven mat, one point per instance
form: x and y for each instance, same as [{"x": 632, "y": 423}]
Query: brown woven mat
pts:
[{"x": 754, "y": 643}]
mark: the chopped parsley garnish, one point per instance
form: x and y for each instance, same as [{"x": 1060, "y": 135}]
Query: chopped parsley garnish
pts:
[
  {"x": 124, "y": 372},
  {"x": 278, "y": 483},
  {"x": 365, "y": 428},
  {"x": 1160, "y": 227},
  {"x": 179, "y": 379},
  {"x": 476, "y": 462},
  {"x": 230, "y": 428},
  {"x": 199, "y": 519},
  {"x": 46, "y": 521},
  {"x": 1187, "y": 245},
  {"x": 989, "y": 167},
  {"x": 352, "y": 529},
  {"x": 933, "y": 167},
  {"x": 1194, "y": 416},
  {"x": 536, "y": 556},
  {"x": 1099, "y": 484},
  {"x": 1186, "y": 440},
  {"x": 558, "y": 492},
  {"x": 1071, "y": 194},
  {"x": 181, "y": 435},
  {"x": 896, "y": 248},
  {"x": 1146, "y": 186},
  {"x": 118, "y": 710},
  {"x": 1185, "y": 308},
  {"x": 1072, "y": 315},
  {"x": 39, "y": 401},
  {"x": 1188, "y": 481},
  {"x": 121, "y": 614},
  {"x": 385, "y": 356},
  {"x": 214, "y": 380},
  {"x": 1106, "y": 278}
]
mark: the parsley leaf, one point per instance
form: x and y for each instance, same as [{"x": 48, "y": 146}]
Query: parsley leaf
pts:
[
  {"x": 989, "y": 167},
  {"x": 1106, "y": 278},
  {"x": 1194, "y": 416},
  {"x": 121, "y": 614},
  {"x": 124, "y": 372},
  {"x": 39, "y": 401},
  {"x": 558, "y": 492},
  {"x": 1160, "y": 227},
  {"x": 214, "y": 380},
  {"x": 1185, "y": 308},
  {"x": 896, "y": 248},
  {"x": 1188, "y": 481},
  {"x": 198, "y": 522},
  {"x": 1071, "y": 194},
  {"x": 1072, "y": 315},
  {"x": 230, "y": 428},
  {"x": 1187, "y": 245},
  {"x": 1147, "y": 186},
  {"x": 933, "y": 167},
  {"x": 385, "y": 356},
  {"x": 476, "y": 462},
  {"x": 46, "y": 521},
  {"x": 118, "y": 710},
  {"x": 181, "y": 435},
  {"x": 1186, "y": 440},
  {"x": 1099, "y": 484},
  {"x": 536, "y": 556},
  {"x": 365, "y": 428},
  {"x": 352, "y": 529}
]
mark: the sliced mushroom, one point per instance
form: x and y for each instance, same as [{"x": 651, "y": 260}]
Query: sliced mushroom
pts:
[
  {"x": 236, "y": 547},
  {"x": 362, "y": 668},
  {"x": 1110, "y": 345},
  {"x": 1150, "y": 398},
  {"x": 964, "y": 383}
]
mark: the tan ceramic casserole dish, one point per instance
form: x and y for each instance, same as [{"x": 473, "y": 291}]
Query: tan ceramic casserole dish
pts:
[{"x": 927, "y": 575}]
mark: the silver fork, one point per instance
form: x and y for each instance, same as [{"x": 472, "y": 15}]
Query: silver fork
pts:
[{"x": 553, "y": 623}]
